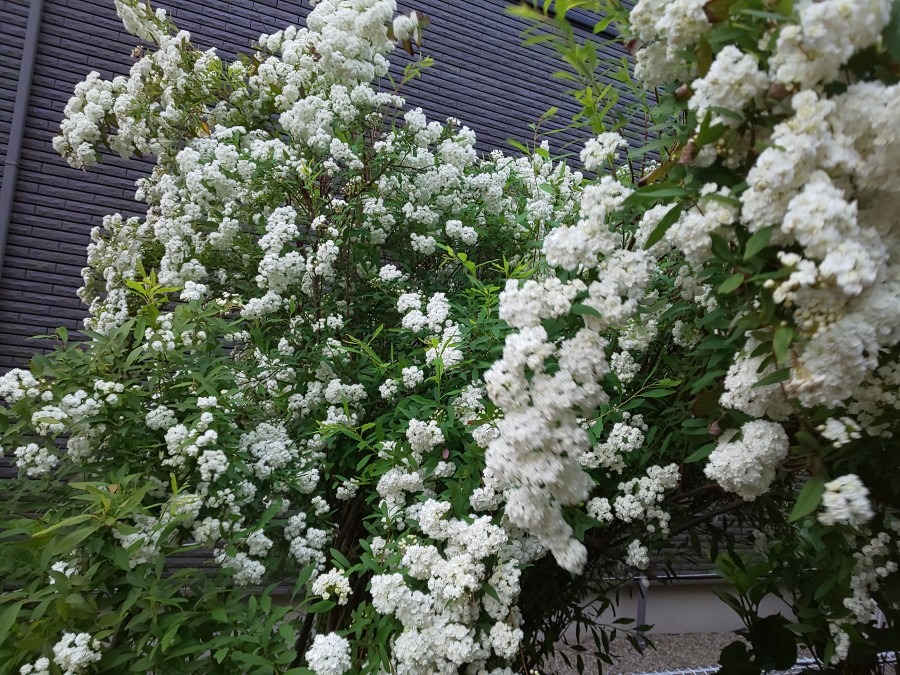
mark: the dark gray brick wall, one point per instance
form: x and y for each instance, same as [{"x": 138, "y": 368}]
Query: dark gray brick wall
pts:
[{"x": 482, "y": 76}]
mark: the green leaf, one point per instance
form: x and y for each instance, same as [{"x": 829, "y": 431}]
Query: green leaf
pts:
[
  {"x": 518, "y": 146},
  {"x": 701, "y": 453},
  {"x": 340, "y": 558},
  {"x": 491, "y": 591},
  {"x": 251, "y": 659},
  {"x": 663, "y": 225},
  {"x": 720, "y": 247},
  {"x": 657, "y": 393},
  {"x": 704, "y": 54},
  {"x": 757, "y": 242},
  {"x": 654, "y": 193},
  {"x": 774, "y": 378},
  {"x": 321, "y": 606},
  {"x": 782, "y": 341},
  {"x": 735, "y": 660},
  {"x": 709, "y": 133},
  {"x": 731, "y": 284},
  {"x": 668, "y": 382},
  {"x": 891, "y": 35},
  {"x": 170, "y": 635},
  {"x": 585, "y": 309},
  {"x": 66, "y": 522},
  {"x": 8, "y": 619},
  {"x": 809, "y": 498}
]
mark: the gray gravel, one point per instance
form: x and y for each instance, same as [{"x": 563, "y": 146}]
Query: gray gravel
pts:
[{"x": 667, "y": 652}]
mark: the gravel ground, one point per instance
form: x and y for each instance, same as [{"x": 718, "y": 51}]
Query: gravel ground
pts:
[{"x": 667, "y": 652}]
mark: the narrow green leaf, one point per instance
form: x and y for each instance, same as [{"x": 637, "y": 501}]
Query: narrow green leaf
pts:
[
  {"x": 731, "y": 284},
  {"x": 774, "y": 378},
  {"x": 585, "y": 309},
  {"x": 663, "y": 225},
  {"x": 490, "y": 590},
  {"x": 340, "y": 558},
  {"x": 66, "y": 522},
  {"x": 321, "y": 606},
  {"x": 8, "y": 619},
  {"x": 657, "y": 393},
  {"x": 700, "y": 453},
  {"x": 720, "y": 247},
  {"x": 809, "y": 498},
  {"x": 782, "y": 341},
  {"x": 704, "y": 55},
  {"x": 653, "y": 193},
  {"x": 757, "y": 242},
  {"x": 518, "y": 146}
]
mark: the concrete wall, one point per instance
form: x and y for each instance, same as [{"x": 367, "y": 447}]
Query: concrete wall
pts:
[{"x": 687, "y": 607}]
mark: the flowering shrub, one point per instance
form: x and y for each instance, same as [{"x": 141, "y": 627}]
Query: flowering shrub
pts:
[
  {"x": 337, "y": 412},
  {"x": 772, "y": 200},
  {"x": 283, "y": 368}
]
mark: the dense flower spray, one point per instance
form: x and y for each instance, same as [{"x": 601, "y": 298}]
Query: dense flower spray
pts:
[{"x": 332, "y": 355}]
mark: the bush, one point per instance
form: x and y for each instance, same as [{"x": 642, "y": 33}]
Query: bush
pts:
[{"x": 346, "y": 384}]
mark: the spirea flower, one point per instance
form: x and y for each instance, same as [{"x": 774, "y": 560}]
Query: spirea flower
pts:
[{"x": 846, "y": 500}]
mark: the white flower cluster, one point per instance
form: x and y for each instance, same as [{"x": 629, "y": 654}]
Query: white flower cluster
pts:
[
  {"x": 741, "y": 392},
  {"x": 306, "y": 542},
  {"x": 637, "y": 555},
  {"x": 846, "y": 500},
  {"x": 872, "y": 566},
  {"x": 840, "y": 431},
  {"x": 148, "y": 530},
  {"x": 639, "y": 500},
  {"x": 747, "y": 466},
  {"x": 825, "y": 183},
  {"x": 601, "y": 149},
  {"x": 18, "y": 384},
  {"x": 329, "y": 655},
  {"x": 35, "y": 460},
  {"x": 540, "y": 439},
  {"x": 441, "y": 627},
  {"x": 625, "y": 437},
  {"x": 269, "y": 447},
  {"x": 331, "y": 583},
  {"x": 423, "y": 436},
  {"x": 828, "y": 34},
  {"x": 734, "y": 80},
  {"x": 667, "y": 27},
  {"x": 75, "y": 653},
  {"x": 64, "y": 567}
]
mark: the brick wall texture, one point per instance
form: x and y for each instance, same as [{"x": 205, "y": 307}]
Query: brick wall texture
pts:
[{"x": 483, "y": 76}]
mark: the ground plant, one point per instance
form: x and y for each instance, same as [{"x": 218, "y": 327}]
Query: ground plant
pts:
[{"x": 352, "y": 398}]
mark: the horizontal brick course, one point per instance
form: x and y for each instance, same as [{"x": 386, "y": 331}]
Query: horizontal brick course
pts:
[{"x": 483, "y": 76}]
